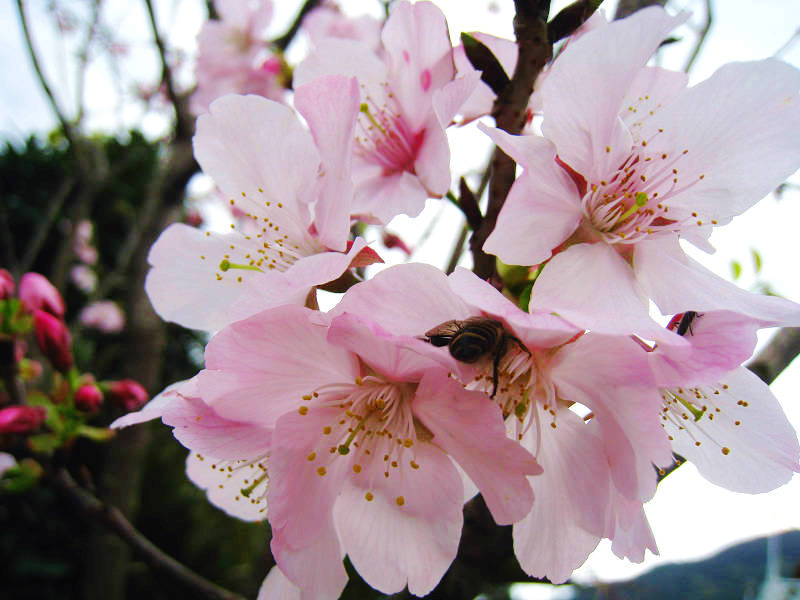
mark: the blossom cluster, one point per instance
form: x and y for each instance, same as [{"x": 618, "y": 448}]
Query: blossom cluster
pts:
[{"x": 363, "y": 430}]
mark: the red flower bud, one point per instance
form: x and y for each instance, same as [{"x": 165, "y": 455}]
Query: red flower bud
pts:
[
  {"x": 54, "y": 339},
  {"x": 21, "y": 419},
  {"x": 88, "y": 398},
  {"x": 6, "y": 284},
  {"x": 129, "y": 394},
  {"x": 391, "y": 240},
  {"x": 37, "y": 293}
]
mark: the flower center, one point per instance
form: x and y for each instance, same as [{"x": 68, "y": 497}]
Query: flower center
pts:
[
  {"x": 688, "y": 411},
  {"x": 633, "y": 202},
  {"x": 384, "y": 138}
]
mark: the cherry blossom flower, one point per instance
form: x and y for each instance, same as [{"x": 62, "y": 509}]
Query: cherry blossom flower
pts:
[
  {"x": 328, "y": 21},
  {"x": 227, "y": 458},
  {"x": 725, "y": 420},
  {"x": 203, "y": 279},
  {"x": 596, "y": 473},
  {"x": 234, "y": 56},
  {"x": 401, "y": 153},
  {"x": 364, "y": 427},
  {"x": 633, "y": 160}
]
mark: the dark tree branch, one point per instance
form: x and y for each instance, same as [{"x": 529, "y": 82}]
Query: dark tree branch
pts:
[
  {"x": 701, "y": 40},
  {"x": 781, "y": 350},
  {"x": 113, "y": 519},
  {"x": 283, "y": 42},
  {"x": 530, "y": 29},
  {"x": 39, "y": 237},
  {"x": 83, "y": 58}
]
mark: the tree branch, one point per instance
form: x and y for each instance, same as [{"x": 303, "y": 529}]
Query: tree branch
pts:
[
  {"x": 701, "y": 40},
  {"x": 283, "y": 42},
  {"x": 530, "y": 29},
  {"x": 65, "y": 124},
  {"x": 113, "y": 519},
  {"x": 628, "y": 7},
  {"x": 781, "y": 350}
]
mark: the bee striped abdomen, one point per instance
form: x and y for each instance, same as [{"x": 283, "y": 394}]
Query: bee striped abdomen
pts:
[{"x": 475, "y": 340}]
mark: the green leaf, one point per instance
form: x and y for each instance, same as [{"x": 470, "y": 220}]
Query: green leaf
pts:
[{"x": 525, "y": 297}]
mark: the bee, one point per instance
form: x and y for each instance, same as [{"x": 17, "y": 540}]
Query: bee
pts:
[{"x": 474, "y": 338}]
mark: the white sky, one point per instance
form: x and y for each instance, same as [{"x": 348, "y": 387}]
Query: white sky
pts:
[{"x": 690, "y": 517}]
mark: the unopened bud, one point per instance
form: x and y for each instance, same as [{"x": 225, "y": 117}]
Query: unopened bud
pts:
[
  {"x": 21, "y": 419},
  {"x": 37, "y": 293},
  {"x": 88, "y": 398},
  {"x": 54, "y": 339},
  {"x": 29, "y": 369},
  {"x": 6, "y": 284},
  {"x": 129, "y": 394}
]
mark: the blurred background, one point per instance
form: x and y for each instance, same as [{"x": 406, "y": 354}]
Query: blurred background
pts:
[{"x": 96, "y": 127}]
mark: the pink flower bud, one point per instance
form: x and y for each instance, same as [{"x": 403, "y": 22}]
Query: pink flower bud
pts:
[
  {"x": 37, "y": 293},
  {"x": 88, "y": 398},
  {"x": 105, "y": 316},
  {"x": 21, "y": 419},
  {"x": 129, "y": 394},
  {"x": 54, "y": 339},
  {"x": 6, "y": 284}
]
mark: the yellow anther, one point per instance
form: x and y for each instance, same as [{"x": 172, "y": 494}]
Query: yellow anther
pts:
[
  {"x": 303, "y": 410},
  {"x": 414, "y": 465},
  {"x": 369, "y": 496},
  {"x": 356, "y": 468},
  {"x": 321, "y": 471},
  {"x": 400, "y": 501},
  {"x": 326, "y": 430},
  {"x": 726, "y": 450},
  {"x": 312, "y": 456}
]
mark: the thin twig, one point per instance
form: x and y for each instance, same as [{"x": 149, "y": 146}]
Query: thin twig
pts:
[
  {"x": 114, "y": 520},
  {"x": 701, "y": 40},
  {"x": 283, "y": 42},
  {"x": 83, "y": 59},
  {"x": 628, "y": 7},
  {"x": 183, "y": 124},
  {"x": 65, "y": 124}
]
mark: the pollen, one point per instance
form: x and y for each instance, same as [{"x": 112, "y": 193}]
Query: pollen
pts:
[
  {"x": 400, "y": 501},
  {"x": 303, "y": 410},
  {"x": 326, "y": 430},
  {"x": 369, "y": 496},
  {"x": 414, "y": 465},
  {"x": 321, "y": 471},
  {"x": 726, "y": 450},
  {"x": 356, "y": 468},
  {"x": 311, "y": 456}
]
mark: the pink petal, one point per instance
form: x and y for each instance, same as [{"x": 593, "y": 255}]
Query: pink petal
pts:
[
  {"x": 743, "y": 417},
  {"x": 230, "y": 147},
  {"x": 277, "y": 586},
  {"x": 155, "y": 408},
  {"x": 587, "y": 83},
  {"x": 537, "y": 330},
  {"x": 676, "y": 283},
  {"x": 719, "y": 341},
  {"x": 399, "y": 358},
  {"x": 259, "y": 368},
  {"x": 432, "y": 164},
  {"x": 226, "y": 483},
  {"x": 381, "y": 197},
  {"x": 341, "y": 57},
  {"x": 631, "y": 540},
  {"x": 182, "y": 283},
  {"x": 498, "y": 466},
  {"x": 551, "y": 541},
  {"x": 301, "y": 495},
  {"x": 393, "y": 545},
  {"x": 330, "y": 106},
  {"x": 419, "y": 55},
  {"x": 749, "y": 109},
  {"x": 651, "y": 90},
  {"x": 450, "y": 98},
  {"x": 610, "y": 375},
  {"x": 406, "y": 299},
  {"x": 591, "y": 286}
]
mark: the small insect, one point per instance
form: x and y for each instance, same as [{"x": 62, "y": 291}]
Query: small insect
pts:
[
  {"x": 685, "y": 323},
  {"x": 474, "y": 338}
]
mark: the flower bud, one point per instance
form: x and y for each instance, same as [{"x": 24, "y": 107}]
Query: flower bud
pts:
[
  {"x": 21, "y": 419},
  {"x": 129, "y": 394},
  {"x": 6, "y": 284},
  {"x": 37, "y": 293},
  {"x": 105, "y": 316},
  {"x": 88, "y": 398},
  {"x": 391, "y": 240},
  {"x": 54, "y": 339}
]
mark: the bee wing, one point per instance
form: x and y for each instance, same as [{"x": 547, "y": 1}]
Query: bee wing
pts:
[{"x": 445, "y": 330}]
